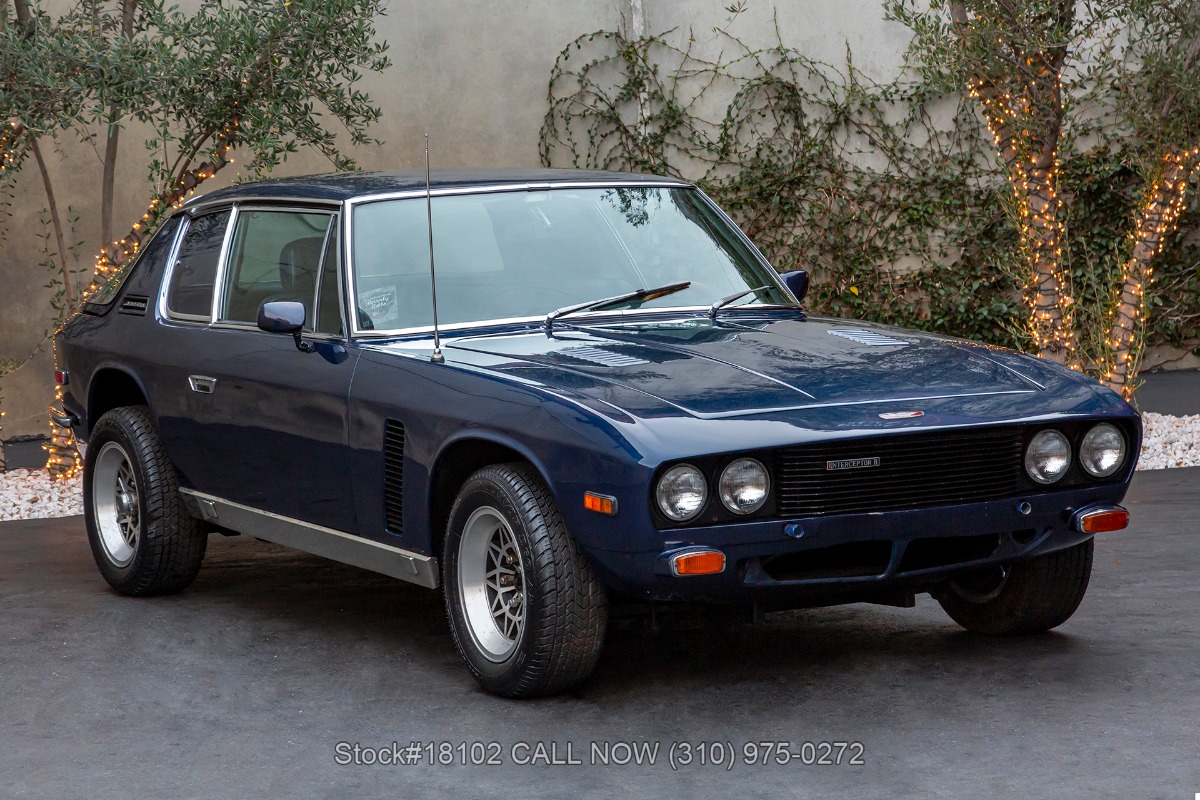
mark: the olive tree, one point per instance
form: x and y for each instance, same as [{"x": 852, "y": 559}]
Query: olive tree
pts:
[
  {"x": 1052, "y": 78},
  {"x": 259, "y": 77}
]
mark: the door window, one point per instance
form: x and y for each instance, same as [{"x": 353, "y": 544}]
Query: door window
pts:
[
  {"x": 276, "y": 255},
  {"x": 191, "y": 290}
]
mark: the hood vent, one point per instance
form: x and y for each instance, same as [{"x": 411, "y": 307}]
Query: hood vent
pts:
[
  {"x": 867, "y": 337},
  {"x": 606, "y": 357}
]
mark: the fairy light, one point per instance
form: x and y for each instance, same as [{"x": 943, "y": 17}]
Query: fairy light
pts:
[
  {"x": 1051, "y": 325},
  {"x": 1165, "y": 203},
  {"x": 62, "y": 455}
]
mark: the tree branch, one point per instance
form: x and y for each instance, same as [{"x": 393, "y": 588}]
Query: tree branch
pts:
[{"x": 60, "y": 240}]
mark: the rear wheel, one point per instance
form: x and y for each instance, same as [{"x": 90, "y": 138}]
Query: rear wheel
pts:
[
  {"x": 527, "y": 613},
  {"x": 1027, "y": 597},
  {"x": 143, "y": 539}
]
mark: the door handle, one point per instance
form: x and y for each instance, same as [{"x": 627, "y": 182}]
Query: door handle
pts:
[{"x": 202, "y": 384}]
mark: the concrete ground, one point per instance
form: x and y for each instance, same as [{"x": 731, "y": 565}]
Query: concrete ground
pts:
[
  {"x": 244, "y": 685},
  {"x": 1176, "y": 392}
]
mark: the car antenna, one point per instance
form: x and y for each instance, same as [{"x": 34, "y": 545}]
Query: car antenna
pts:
[{"x": 437, "y": 357}]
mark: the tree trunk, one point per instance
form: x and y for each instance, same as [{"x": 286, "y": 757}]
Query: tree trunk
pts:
[
  {"x": 1025, "y": 119},
  {"x": 1157, "y": 220},
  {"x": 55, "y": 221},
  {"x": 111, "y": 144}
]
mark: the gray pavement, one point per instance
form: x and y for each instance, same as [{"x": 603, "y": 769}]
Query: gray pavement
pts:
[
  {"x": 244, "y": 685},
  {"x": 1176, "y": 392}
]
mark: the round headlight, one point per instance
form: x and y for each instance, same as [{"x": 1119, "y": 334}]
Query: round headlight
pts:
[
  {"x": 1102, "y": 451},
  {"x": 681, "y": 492},
  {"x": 744, "y": 486},
  {"x": 1048, "y": 457}
]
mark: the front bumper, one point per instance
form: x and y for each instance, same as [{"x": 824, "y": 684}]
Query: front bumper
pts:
[{"x": 855, "y": 556}]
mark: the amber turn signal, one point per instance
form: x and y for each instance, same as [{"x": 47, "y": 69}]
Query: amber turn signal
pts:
[
  {"x": 1108, "y": 519},
  {"x": 600, "y": 503},
  {"x": 698, "y": 562}
]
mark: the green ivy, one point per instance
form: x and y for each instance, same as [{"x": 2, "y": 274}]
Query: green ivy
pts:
[{"x": 888, "y": 193}]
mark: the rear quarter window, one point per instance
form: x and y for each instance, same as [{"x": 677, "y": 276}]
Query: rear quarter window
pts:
[
  {"x": 151, "y": 257},
  {"x": 194, "y": 275}
]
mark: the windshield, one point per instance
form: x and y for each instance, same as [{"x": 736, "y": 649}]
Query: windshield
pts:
[{"x": 505, "y": 255}]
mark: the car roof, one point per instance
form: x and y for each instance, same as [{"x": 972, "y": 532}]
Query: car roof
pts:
[{"x": 341, "y": 186}]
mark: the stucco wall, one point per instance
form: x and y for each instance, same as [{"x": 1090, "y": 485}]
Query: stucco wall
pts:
[{"x": 472, "y": 72}]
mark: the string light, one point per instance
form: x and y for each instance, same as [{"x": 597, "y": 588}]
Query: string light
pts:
[
  {"x": 1159, "y": 217},
  {"x": 62, "y": 459},
  {"x": 1051, "y": 325}
]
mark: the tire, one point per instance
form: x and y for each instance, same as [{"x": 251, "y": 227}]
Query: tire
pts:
[
  {"x": 144, "y": 543},
  {"x": 537, "y": 625},
  {"x": 1030, "y": 597}
]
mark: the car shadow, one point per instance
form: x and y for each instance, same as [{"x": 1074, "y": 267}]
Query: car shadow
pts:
[{"x": 331, "y": 606}]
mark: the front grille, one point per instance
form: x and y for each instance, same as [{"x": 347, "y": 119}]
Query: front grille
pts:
[
  {"x": 914, "y": 471},
  {"x": 393, "y": 475}
]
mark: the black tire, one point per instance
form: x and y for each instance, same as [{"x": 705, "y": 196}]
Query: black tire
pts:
[
  {"x": 1032, "y": 596},
  {"x": 168, "y": 544},
  {"x": 565, "y": 609}
]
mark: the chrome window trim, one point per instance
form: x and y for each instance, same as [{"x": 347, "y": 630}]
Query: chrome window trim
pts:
[
  {"x": 223, "y": 267},
  {"x": 321, "y": 274},
  {"x": 199, "y": 204},
  {"x": 218, "y": 297},
  {"x": 348, "y": 250},
  {"x": 741, "y": 234},
  {"x": 494, "y": 188},
  {"x": 163, "y": 310}
]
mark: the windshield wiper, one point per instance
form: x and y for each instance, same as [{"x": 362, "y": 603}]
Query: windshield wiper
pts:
[
  {"x": 645, "y": 295},
  {"x": 724, "y": 301}
]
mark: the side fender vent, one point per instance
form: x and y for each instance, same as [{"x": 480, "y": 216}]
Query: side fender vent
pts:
[
  {"x": 134, "y": 304},
  {"x": 393, "y": 475}
]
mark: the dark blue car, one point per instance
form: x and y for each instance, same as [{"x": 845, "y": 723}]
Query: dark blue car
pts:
[{"x": 627, "y": 402}]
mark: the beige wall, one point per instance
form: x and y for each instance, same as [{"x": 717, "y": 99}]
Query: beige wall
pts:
[{"x": 472, "y": 72}]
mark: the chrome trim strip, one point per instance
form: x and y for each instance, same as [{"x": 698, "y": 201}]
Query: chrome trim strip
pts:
[
  {"x": 490, "y": 188},
  {"x": 325, "y": 542},
  {"x": 223, "y": 265},
  {"x": 198, "y": 203}
]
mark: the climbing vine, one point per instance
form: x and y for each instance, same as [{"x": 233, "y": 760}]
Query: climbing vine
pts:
[{"x": 889, "y": 193}]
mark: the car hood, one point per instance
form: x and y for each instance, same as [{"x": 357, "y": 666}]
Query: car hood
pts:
[{"x": 744, "y": 365}]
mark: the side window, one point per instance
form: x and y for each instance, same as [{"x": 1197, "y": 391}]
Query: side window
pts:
[
  {"x": 276, "y": 255},
  {"x": 155, "y": 251},
  {"x": 329, "y": 305},
  {"x": 191, "y": 290}
]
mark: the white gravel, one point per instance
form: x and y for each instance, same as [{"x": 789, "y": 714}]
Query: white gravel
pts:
[
  {"x": 1170, "y": 441},
  {"x": 31, "y": 494}
]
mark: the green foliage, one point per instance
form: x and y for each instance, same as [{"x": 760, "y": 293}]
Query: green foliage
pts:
[
  {"x": 883, "y": 192},
  {"x": 265, "y": 77},
  {"x": 888, "y": 193}
]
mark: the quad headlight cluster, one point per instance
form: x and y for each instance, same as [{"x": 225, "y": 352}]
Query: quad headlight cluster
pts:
[
  {"x": 743, "y": 487},
  {"x": 1101, "y": 453}
]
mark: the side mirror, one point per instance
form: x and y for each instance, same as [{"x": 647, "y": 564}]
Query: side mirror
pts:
[
  {"x": 797, "y": 282},
  {"x": 283, "y": 316}
]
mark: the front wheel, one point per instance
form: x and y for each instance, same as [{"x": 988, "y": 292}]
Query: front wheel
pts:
[
  {"x": 527, "y": 614},
  {"x": 1027, "y": 597}
]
